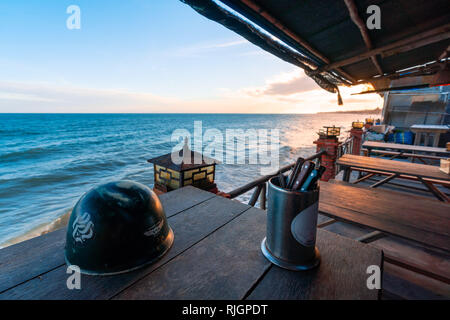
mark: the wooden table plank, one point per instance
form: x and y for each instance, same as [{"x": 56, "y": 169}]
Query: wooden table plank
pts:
[
  {"x": 416, "y": 218},
  {"x": 28, "y": 259},
  {"x": 225, "y": 265},
  {"x": 393, "y": 166},
  {"x": 229, "y": 263},
  {"x": 216, "y": 255},
  {"x": 340, "y": 257},
  {"x": 184, "y": 198},
  {"x": 405, "y": 147},
  {"x": 190, "y": 226},
  {"x": 31, "y": 258}
]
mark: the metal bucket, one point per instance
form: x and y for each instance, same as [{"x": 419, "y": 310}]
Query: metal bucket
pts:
[{"x": 291, "y": 228}]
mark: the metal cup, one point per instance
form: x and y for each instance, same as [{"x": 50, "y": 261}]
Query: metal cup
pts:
[{"x": 291, "y": 227}]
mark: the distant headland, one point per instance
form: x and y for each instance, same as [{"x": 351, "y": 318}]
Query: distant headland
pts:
[{"x": 366, "y": 111}]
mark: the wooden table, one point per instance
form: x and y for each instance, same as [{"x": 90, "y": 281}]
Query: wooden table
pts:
[
  {"x": 216, "y": 255},
  {"x": 420, "y": 219},
  {"x": 427, "y": 131},
  {"x": 426, "y": 174}
]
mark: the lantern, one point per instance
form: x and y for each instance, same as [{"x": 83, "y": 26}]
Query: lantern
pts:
[
  {"x": 194, "y": 169},
  {"x": 369, "y": 121},
  {"x": 330, "y": 132},
  {"x": 357, "y": 125}
]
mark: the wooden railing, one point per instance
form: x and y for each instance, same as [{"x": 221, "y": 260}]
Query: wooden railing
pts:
[
  {"x": 345, "y": 147},
  {"x": 261, "y": 184}
]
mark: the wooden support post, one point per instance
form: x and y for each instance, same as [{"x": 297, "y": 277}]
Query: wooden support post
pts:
[
  {"x": 347, "y": 172},
  {"x": 371, "y": 236},
  {"x": 437, "y": 193},
  {"x": 365, "y": 177},
  {"x": 326, "y": 223},
  {"x": 262, "y": 200},
  {"x": 385, "y": 180},
  {"x": 255, "y": 196}
]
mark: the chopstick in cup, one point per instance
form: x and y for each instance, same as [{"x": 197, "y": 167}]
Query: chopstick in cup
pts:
[
  {"x": 294, "y": 173},
  {"x": 282, "y": 181}
]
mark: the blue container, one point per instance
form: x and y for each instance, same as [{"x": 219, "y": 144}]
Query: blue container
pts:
[{"x": 406, "y": 137}]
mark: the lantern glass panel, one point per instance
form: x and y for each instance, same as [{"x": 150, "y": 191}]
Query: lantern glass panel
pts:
[
  {"x": 357, "y": 125},
  {"x": 199, "y": 176},
  {"x": 188, "y": 174},
  {"x": 175, "y": 174},
  {"x": 165, "y": 175},
  {"x": 210, "y": 169},
  {"x": 333, "y": 131}
]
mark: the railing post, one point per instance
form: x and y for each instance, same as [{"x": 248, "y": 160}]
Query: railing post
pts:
[
  {"x": 328, "y": 159},
  {"x": 357, "y": 140},
  {"x": 255, "y": 196},
  {"x": 262, "y": 200}
]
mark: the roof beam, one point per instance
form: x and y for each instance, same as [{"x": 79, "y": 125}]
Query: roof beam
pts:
[
  {"x": 427, "y": 37},
  {"x": 416, "y": 44},
  {"x": 278, "y": 24},
  {"x": 425, "y": 69},
  {"x": 255, "y": 7},
  {"x": 354, "y": 15},
  {"x": 444, "y": 54}
]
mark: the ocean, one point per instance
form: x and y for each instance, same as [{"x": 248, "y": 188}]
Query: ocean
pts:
[{"x": 48, "y": 161}]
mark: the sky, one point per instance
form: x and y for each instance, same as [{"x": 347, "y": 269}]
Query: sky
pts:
[{"x": 145, "y": 56}]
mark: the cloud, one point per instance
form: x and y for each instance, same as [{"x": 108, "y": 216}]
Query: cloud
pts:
[
  {"x": 285, "y": 84},
  {"x": 198, "y": 49},
  {"x": 45, "y": 97},
  {"x": 294, "y": 92},
  {"x": 23, "y": 97},
  {"x": 288, "y": 92}
]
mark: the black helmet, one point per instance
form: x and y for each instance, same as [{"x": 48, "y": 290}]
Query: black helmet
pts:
[{"x": 117, "y": 227}]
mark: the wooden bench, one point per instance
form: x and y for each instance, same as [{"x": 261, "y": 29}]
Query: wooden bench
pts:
[
  {"x": 371, "y": 145},
  {"x": 397, "y": 154},
  {"x": 421, "y": 220}
]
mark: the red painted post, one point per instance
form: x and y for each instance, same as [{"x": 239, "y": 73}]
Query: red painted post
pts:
[
  {"x": 328, "y": 160},
  {"x": 357, "y": 140}
]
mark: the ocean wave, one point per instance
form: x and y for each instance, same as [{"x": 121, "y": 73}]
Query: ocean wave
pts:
[
  {"x": 23, "y": 154},
  {"x": 40, "y": 180},
  {"x": 58, "y": 223},
  {"x": 70, "y": 171}
]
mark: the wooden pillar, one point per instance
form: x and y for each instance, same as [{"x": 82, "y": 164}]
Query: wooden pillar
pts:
[
  {"x": 328, "y": 160},
  {"x": 357, "y": 140}
]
